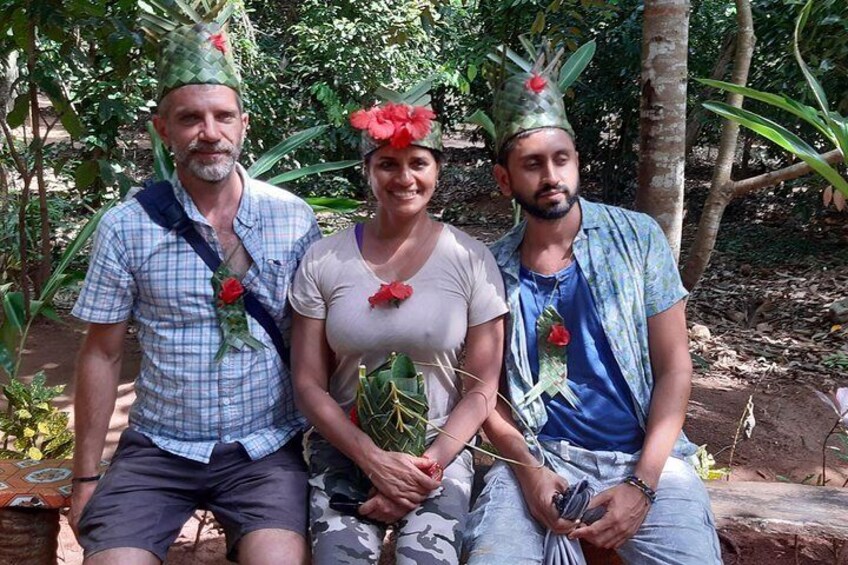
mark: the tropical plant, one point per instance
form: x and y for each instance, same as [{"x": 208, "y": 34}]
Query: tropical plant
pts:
[
  {"x": 40, "y": 429},
  {"x": 34, "y": 426},
  {"x": 830, "y": 124},
  {"x": 838, "y": 400}
]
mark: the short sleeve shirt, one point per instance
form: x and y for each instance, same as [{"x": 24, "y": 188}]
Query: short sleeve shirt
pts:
[
  {"x": 632, "y": 275},
  {"x": 185, "y": 401},
  {"x": 459, "y": 286}
]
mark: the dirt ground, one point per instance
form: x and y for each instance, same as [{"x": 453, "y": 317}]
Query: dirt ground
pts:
[{"x": 758, "y": 327}]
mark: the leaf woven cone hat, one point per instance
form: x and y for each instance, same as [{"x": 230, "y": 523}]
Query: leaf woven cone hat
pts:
[
  {"x": 528, "y": 91},
  {"x": 192, "y": 42}
]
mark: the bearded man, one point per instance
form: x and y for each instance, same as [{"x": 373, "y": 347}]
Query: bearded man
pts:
[
  {"x": 597, "y": 365},
  {"x": 214, "y": 423}
]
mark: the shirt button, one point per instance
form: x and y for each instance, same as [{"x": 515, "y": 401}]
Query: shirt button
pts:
[
  {"x": 228, "y": 438},
  {"x": 226, "y": 402}
]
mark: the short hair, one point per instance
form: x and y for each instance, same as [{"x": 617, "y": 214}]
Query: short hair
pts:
[
  {"x": 502, "y": 156},
  {"x": 164, "y": 106}
]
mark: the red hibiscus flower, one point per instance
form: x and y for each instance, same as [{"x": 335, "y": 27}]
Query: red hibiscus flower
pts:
[
  {"x": 219, "y": 42},
  {"x": 401, "y": 124},
  {"x": 231, "y": 290},
  {"x": 395, "y": 292},
  {"x": 420, "y": 121},
  {"x": 361, "y": 119},
  {"x": 559, "y": 335},
  {"x": 401, "y": 138},
  {"x": 536, "y": 83},
  {"x": 381, "y": 127},
  {"x": 354, "y": 416}
]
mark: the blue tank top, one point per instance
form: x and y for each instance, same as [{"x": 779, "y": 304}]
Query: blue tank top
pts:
[{"x": 605, "y": 419}]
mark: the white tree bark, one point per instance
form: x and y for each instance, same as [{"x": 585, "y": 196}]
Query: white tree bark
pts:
[{"x": 662, "y": 119}]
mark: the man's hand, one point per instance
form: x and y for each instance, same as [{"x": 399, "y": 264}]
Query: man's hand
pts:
[
  {"x": 382, "y": 509},
  {"x": 538, "y": 487},
  {"x": 626, "y": 510},
  {"x": 81, "y": 495}
]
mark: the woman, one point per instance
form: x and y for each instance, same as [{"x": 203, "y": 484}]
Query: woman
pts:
[{"x": 451, "y": 295}]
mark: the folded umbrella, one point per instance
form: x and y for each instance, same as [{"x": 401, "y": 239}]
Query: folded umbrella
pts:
[{"x": 571, "y": 505}]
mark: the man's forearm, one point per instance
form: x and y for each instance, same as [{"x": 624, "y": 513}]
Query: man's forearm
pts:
[
  {"x": 94, "y": 403},
  {"x": 665, "y": 420}
]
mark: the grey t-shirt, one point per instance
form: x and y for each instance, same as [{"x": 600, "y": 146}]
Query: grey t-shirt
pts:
[{"x": 459, "y": 286}]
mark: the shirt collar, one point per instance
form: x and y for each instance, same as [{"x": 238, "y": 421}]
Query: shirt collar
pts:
[
  {"x": 247, "y": 206},
  {"x": 505, "y": 249}
]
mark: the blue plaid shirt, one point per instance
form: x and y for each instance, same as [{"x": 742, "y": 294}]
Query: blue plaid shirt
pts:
[
  {"x": 632, "y": 275},
  {"x": 186, "y": 402}
]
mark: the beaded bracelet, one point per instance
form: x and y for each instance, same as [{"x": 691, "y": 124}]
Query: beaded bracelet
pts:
[
  {"x": 90, "y": 479},
  {"x": 643, "y": 487}
]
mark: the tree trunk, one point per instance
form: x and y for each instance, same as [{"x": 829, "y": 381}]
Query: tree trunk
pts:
[
  {"x": 8, "y": 76},
  {"x": 662, "y": 119},
  {"x": 42, "y": 272},
  {"x": 721, "y": 187},
  {"x": 695, "y": 122}
]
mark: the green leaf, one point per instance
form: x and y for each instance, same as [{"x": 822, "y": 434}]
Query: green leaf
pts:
[
  {"x": 480, "y": 118},
  {"x": 806, "y": 113},
  {"x": 163, "y": 165},
  {"x": 516, "y": 59},
  {"x": 58, "y": 276},
  {"x": 575, "y": 65},
  {"x": 315, "y": 169},
  {"x": 6, "y": 361},
  {"x": 338, "y": 205},
  {"x": 86, "y": 173},
  {"x": 817, "y": 89},
  {"x": 782, "y": 137},
  {"x": 418, "y": 92},
  {"x": 538, "y": 24},
  {"x": 17, "y": 116},
  {"x": 13, "y": 307},
  {"x": 273, "y": 155}
]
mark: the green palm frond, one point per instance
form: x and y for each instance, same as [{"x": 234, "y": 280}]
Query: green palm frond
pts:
[{"x": 391, "y": 405}]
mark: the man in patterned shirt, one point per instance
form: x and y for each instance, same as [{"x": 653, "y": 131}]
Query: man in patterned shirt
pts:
[
  {"x": 597, "y": 364},
  {"x": 221, "y": 434}
]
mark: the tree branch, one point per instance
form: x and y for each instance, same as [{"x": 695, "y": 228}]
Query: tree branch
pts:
[{"x": 743, "y": 187}]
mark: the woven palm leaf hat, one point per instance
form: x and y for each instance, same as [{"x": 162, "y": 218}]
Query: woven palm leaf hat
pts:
[
  {"x": 192, "y": 43},
  {"x": 401, "y": 120},
  {"x": 528, "y": 93}
]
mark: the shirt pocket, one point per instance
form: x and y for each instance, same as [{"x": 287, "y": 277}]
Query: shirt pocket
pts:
[{"x": 275, "y": 280}]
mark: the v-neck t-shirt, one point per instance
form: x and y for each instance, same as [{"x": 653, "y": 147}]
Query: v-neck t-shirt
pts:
[
  {"x": 459, "y": 286},
  {"x": 605, "y": 418}
]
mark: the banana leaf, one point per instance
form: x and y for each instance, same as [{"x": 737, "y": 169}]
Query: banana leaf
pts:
[{"x": 391, "y": 406}]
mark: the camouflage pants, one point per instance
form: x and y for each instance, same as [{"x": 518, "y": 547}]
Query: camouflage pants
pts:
[{"x": 430, "y": 534}]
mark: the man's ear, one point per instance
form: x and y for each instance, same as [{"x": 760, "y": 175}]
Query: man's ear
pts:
[
  {"x": 502, "y": 178},
  {"x": 161, "y": 128},
  {"x": 245, "y": 119}
]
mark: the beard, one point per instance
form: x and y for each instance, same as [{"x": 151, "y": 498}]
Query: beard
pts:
[
  {"x": 211, "y": 172},
  {"x": 553, "y": 211}
]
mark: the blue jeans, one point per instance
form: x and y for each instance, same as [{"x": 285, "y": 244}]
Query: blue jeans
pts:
[{"x": 679, "y": 528}]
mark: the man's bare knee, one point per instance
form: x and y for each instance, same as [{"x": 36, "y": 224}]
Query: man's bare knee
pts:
[
  {"x": 264, "y": 547},
  {"x": 124, "y": 556}
]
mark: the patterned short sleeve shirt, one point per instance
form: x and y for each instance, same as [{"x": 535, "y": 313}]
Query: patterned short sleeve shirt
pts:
[
  {"x": 186, "y": 402},
  {"x": 632, "y": 275}
]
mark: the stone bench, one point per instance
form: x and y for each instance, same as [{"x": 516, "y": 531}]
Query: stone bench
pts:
[{"x": 31, "y": 495}]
